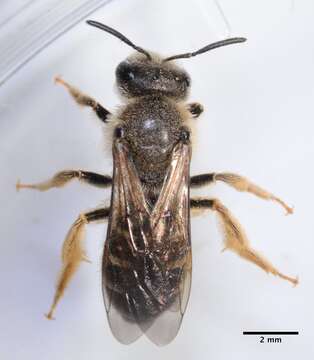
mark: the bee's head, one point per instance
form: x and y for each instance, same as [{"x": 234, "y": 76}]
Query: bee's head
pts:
[
  {"x": 140, "y": 75},
  {"x": 145, "y": 73}
]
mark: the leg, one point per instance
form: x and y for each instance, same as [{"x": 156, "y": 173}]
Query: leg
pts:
[
  {"x": 239, "y": 183},
  {"x": 73, "y": 252},
  {"x": 63, "y": 177},
  {"x": 195, "y": 109},
  {"x": 234, "y": 236},
  {"x": 85, "y": 100}
]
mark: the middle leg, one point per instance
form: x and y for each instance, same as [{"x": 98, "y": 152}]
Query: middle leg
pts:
[
  {"x": 235, "y": 238},
  {"x": 63, "y": 177},
  {"x": 239, "y": 183}
]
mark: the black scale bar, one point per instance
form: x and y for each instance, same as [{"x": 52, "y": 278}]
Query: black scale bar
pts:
[{"x": 270, "y": 332}]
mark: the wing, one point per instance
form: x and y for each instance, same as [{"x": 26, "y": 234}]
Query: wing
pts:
[
  {"x": 124, "y": 238},
  {"x": 147, "y": 258},
  {"x": 171, "y": 230}
]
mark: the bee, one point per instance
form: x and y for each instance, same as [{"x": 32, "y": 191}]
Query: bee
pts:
[{"x": 147, "y": 259}]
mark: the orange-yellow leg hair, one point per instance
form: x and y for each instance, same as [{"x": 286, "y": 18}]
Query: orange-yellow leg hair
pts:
[
  {"x": 73, "y": 252},
  {"x": 85, "y": 100},
  {"x": 234, "y": 236},
  {"x": 239, "y": 183},
  {"x": 63, "y": 177}
]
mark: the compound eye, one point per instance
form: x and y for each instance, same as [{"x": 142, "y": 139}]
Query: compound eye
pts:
[
  {"x": 183, "y": 79},
  {"x": 187, "y": 81},
  {"x": 125, "y": 72}
]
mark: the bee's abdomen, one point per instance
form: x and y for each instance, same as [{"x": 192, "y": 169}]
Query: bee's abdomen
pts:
[{"x": 141, "y": 290}]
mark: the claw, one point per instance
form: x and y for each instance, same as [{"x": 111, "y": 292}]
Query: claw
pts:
[
  {"x": 59, "y": 80},
  {"x": 19, "y": 186},
  {"x": 49, "y": 316}
]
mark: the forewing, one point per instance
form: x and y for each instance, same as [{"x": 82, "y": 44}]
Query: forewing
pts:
[
  {"x": 125, "y": 237},
  {"x": 171, "y": 230},
  {"x": 147, "y": 257}
]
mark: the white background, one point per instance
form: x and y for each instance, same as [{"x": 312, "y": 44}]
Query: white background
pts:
[{"x": 258, "y": 121}]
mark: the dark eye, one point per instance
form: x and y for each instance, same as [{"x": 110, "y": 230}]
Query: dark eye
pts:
[
  {"x": 187, "y": 81},
  {"x": 183, "y": 79},
  {"x": 125, "y": 72}
]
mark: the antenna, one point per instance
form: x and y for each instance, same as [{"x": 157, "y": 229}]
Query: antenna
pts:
[
  {"x": 118, "y": 35},
  {"x": 206, "y": 48}
]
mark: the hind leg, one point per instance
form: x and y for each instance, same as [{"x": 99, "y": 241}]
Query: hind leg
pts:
[
  {"x": 234, "y": 236},
  {"x": 73, "y": 252}
]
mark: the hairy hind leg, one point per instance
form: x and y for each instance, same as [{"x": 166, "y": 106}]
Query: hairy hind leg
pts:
[
  {"x": 73, "y": 252},
  {"x": 234, "y": 236}
]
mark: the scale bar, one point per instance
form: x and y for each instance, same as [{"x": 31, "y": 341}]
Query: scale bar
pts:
[{"x": 270, "y": 332}]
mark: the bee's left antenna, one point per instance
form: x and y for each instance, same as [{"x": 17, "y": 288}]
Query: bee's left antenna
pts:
[{"x": 118, "y": 35}]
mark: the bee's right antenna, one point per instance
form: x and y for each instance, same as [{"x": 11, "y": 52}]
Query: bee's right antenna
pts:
[
  {"x": 118, "y": 35},
  {"x": 206, "y": 48}
]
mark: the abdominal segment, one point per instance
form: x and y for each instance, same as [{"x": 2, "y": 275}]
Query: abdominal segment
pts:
[{"x": 142, "y": 289}]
